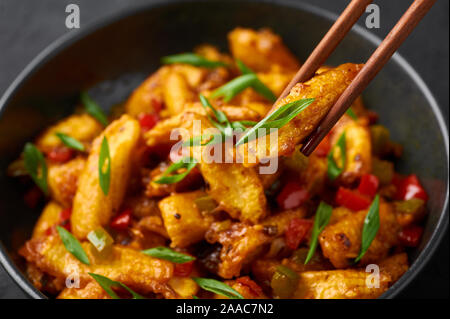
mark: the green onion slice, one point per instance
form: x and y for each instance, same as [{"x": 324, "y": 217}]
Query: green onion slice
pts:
[
  {"x": 371, "y": 226},
  {"x": 192, "y": 59},
  {"x": 322, "y": 218},
  {"x": 187, "y": 163},
  {"x": 70, "y": 142},
  {"x": 219, "y": 115},
  {"x": 107, "y": 285},
  {"x": 229, "y": 90},
  {"x": 104, "y": 166},
  {"x": 93, "y": 108},
  {"x": 217, "y": 287},
  {"x": 221, "y": 122},
  {"x": 168, "y": 254},
  {"x": 351, "y": 113},
  {"x": 276, "y": 119},
  {"x": 100, "y": 239},
  {"x": 333, "y": 169},
  {"x": 72, "y": 245},
  {"x": 258, "y": 86},
  {"x": 36, "y": 166}
]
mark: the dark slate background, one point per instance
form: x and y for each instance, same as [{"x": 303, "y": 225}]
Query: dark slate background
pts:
[{"x": 28, "y": 26}]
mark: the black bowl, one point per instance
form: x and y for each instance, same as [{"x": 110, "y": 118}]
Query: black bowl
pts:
[{"x": 112, "y": 57}]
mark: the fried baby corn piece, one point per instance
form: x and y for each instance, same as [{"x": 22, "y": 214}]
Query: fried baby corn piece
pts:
[
  {"x": 297, "y": 261},
  {"x": 91, "y": 208},
  {"x": 184, "y": 287},
  {"x": 182, "y": 218},
  {"x": 338, "y": 214},
  {"x": 261, "y": 50},
  {"x": 44, "y": 282},
  {"x": 339, "y": 284},
  {"x": 160, "y": 134},
  {"x": 176, "y": 92},
  {"x": 212, "y": 53},
  {"x": 63, "y": 178},
  {"x": 325, "y": 88},
  {"x": 50, "y": 216},
  {"x": 395, "y": 266},
  {"x": 263, "y": 270},
  {"x": 246, "y": 287},
  {"x": 91, "y": 291},
  {"x": 281, "y": 220},
  {"x": 143, "y": 273},
  {"x": 82, "y": 127},
  {"x": 200, "y": 78},
  {"x": 241, "y": 244},
  {"x": 341, "y": 241},
  {"x": 192, "y": 181},
  {"x": 315, "y": 175},
  {"x": 276, "y": 79},
  {"x": 358, "y": 148},
  {"x": 217, "y": 76},
  {"x": 237, "y": 189},
  {"x": 148, "y": 96}
]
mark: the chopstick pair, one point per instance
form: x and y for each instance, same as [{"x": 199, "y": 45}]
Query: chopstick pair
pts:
[{"x": 374, "y": 64}]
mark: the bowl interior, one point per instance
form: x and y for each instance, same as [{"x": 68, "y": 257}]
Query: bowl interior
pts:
[{"x": 111, "y": 59}]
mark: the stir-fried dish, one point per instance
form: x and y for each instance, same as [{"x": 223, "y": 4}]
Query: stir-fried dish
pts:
[{"x": 134, "y": 208}]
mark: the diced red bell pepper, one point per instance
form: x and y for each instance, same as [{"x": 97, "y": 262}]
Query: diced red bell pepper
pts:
[
  {"x": 148, "y": 121},
  {"x": 60, "y": 154},
  {"x": 351, "y": 199},
  {"x": 324, "y": 147},
  {"x": 297, "y": 231},
  {"x": 368, "y": 185},
  {"x": 409, "y": 187},
  {"x": 410, "y": 236},
  {"x": 121, "y": 221},
  {"x": 251, "y": 285},
  {"x": 184, "y": 269},
  {"x": 292, "y": 195}
]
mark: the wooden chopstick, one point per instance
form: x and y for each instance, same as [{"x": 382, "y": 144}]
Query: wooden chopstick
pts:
[
  {"x": 328, "y": 43},
  {"x": 379, "y": 58}
]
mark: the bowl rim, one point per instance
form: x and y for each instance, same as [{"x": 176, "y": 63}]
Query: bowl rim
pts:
[{"x": 69, "y": 38}]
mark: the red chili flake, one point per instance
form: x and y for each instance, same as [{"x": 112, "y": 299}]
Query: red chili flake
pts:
[
  {"x": 184, "y": 269},
  {"x": 296, "y": 232},
  {"x": 410, "y": 236},
  {"x": 60, "y": 154},
  {"x": 121, "y": 221},
  {"x": 148, "y": 121}
]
